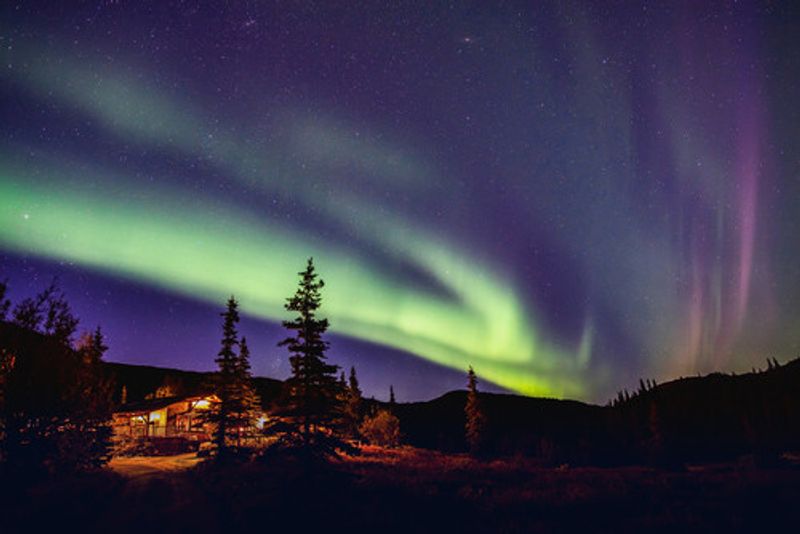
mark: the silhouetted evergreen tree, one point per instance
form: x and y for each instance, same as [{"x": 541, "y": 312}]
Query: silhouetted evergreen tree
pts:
[
  {"x": 246, "y": 405},
  {"x": 223, "y": 413},
  {"x": 92, "y": 345},
  {"x": 476, "y": 419},
  {"x": 392, "y": 400},
  {"x": 5, "y": 304},
  {"x": 90, "y": 424},
  {"x": 236, "y": 415},
  {"x": 352, "y": 407},
  {"x": 313, "y": 390}
]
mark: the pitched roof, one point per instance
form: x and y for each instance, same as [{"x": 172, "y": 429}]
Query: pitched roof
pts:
[{"x": 154, "y": 404}]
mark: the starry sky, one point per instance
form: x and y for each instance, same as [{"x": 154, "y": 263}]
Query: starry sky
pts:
[{"x": 567, "y": 196}]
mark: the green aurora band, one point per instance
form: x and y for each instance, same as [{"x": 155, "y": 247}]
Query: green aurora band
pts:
[{"x": 207, "y": 250}]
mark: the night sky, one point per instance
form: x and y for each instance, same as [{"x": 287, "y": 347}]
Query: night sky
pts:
[{"x": 565, "y": 195}]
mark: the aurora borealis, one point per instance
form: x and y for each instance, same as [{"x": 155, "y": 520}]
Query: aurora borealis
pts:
[{"x": 566, "y": 196}]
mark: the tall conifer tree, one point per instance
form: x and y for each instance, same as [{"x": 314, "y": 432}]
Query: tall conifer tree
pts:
[
  {"x": 476, "y": 419},
  {"x": 236, "y": 415},
  {"x": 5, "y": 304},
  {"x": 352, "y": 407},
  {"x": 313, "y": 389},
  {"x": 223, "y": 414},
  {"x": 90, "y": 423},
  {"x": 246, "y": 404}
]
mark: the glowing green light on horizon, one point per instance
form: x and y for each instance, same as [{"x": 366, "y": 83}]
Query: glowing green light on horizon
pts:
[{"x": 208, "y": 252}]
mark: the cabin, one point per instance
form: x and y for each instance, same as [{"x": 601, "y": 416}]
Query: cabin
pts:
[{"x": 167, "y": 417}]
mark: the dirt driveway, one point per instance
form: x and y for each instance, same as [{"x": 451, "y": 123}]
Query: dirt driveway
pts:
[{"x": 148, "y": 466}]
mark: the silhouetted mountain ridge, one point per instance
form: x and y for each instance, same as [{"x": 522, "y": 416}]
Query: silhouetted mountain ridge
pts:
[
  {"x": 141, "y": 381},
  {"x": 696, "y": 418}
]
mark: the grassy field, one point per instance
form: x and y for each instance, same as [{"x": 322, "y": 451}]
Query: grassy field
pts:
[{"x": 407, "y": 490}]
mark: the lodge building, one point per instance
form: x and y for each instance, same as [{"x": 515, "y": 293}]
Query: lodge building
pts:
[{"x": 167, "y": 417}]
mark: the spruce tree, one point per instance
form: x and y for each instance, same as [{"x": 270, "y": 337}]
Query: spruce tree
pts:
[
  {"x": 93, "y": 345},
  {"x": 312, "y": 388},
  {"x": 354, "y": 387},
  {"x": 236, "y": 415},
  {"x": 5, "y": 304},
  {"x": 245, "y": 402},
  {"x": 476, "y": 419},
  {"x": 352, "y": 408},
  {"x": 89, "y": 428},
  {"x": 391, "y": 395},
  {"x": 223, "y": 414},
  {"x": 342, "y": 396}
]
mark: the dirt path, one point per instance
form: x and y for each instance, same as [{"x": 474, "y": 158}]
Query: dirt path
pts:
[{"x": 147, "y": 466}]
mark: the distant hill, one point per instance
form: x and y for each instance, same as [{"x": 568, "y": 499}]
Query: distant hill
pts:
[
  {"x": 141, "y": 381},
  {"x": 138, "y": 381},
  {"x": 717, "y": 416},
  {"x": 515, "y": 422}
]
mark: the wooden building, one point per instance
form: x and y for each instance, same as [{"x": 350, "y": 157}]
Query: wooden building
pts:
[{"x": 168, "y": 417}]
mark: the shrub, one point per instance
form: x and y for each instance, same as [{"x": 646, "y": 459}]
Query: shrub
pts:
[{"x": 383, "y": 429}]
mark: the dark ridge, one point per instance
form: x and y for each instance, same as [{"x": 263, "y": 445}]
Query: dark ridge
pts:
[
  {"x": 714, "y": 417},
  {"x": 514, "y": 421},
  {"x": 141, "y": 381}
]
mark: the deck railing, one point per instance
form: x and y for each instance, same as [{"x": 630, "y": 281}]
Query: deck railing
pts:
[{"x": 152, "y": 431}]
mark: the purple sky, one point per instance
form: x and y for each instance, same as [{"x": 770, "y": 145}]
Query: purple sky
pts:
[{"x": 566, "y": 196}]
